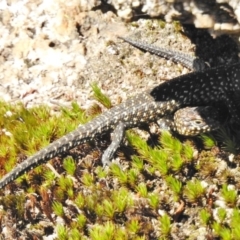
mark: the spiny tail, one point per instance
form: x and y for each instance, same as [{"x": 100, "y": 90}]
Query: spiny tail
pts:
[{"x": 175, "y": 56}]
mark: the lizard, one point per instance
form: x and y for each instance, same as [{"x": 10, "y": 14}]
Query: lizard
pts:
[
  {"x": 192, "y": 119},
  {"x": 203, "y": 88}
]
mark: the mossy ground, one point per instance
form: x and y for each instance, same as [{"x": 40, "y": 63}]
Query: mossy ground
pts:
[{"x": 171, "y": 190}]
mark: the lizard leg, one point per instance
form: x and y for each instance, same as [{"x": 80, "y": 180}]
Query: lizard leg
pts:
[
  {"x": 117, "y": 138},
  {"x": 166, "y": 123}
]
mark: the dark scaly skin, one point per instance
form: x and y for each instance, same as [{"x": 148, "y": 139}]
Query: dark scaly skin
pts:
[
  {"x": 214, "y": 87},
  {"x": 206, "y": 88},
  {"x": 221, "y": 50}
]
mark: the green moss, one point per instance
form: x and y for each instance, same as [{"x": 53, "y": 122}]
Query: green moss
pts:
[
  {"x": 100, "y": 97},
  {"x": 226, "y": 229},
  {"x": 108, "y": 208},
  {"x": 142, "y": 190},
  {"x": 207, "y": 164},
  {"x": 15, "y": 203},
  {"x": 234, "y": 224},
  {"x": 171, "y": 158},
  {"x": 137, "y": 163},
  {"x": 106, "y": 231},
  {"x": 87, "y": 179},
  {"x": 208, "y": 141},
  {"x": 205, "y": 216},
  {"x": 121, "y": 199},
  {"x": 101, "y": 172},
  {"x": 229, "y": 195},
  {"x": 62, "y": 232},
  {"x": 80, "y": 200},
  {"x": 133, "y": 226},
  {"x": 222, "y": 214},
  {"x": 165, "y": 226},
  {"x": 176, "y": 186},
  {"x": 65, "y": 183},
  {"x": 154, "y": 200},
  {"x": 81, "y": 221},
  {"x": 58, "y": 209},
  {"x": 194, "y": 191},
  {"x": 74, "y": 233},
  {"x": 49, "y": 177},
  {"x": 69, "y": 165},
  {"x": 119, "y": 173}
]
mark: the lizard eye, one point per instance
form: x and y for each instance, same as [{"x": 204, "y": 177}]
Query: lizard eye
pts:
[{"x": 198, "y": 122}]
